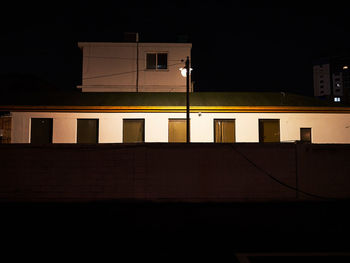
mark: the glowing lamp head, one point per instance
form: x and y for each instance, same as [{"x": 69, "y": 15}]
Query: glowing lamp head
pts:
[
  {"x": 345, "y": 67},
  {"x": 184, "y": 71}
]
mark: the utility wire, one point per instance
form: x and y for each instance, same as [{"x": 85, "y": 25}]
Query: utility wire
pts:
[
  {"x": 126, "y": 72},
  {"x": 277, "y": 180},
  {"x": 112, "y": 57}
]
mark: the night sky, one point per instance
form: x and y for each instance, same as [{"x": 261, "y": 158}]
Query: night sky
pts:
[{"x": 236, "y": 47}]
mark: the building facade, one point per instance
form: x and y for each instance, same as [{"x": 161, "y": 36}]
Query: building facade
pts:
[
  {"x": 134, "y": 67},
  {"x": 135, "y": 93},
  {"x": 171, "y": 127},
  {"x": 161, "y": 117},
  {"x": 332, "y": 79}
]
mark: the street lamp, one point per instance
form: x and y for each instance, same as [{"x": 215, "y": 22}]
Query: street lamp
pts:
[{"x": 185, "y": 72}]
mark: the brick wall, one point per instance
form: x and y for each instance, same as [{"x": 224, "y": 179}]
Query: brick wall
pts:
[{"x": 173, "y": 172}]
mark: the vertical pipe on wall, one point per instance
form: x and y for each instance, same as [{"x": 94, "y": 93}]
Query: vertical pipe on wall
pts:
[{"x": 187, "y": 101}]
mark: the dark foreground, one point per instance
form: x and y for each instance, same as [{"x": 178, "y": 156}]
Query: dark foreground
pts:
[{"x": 176, "y": 232}]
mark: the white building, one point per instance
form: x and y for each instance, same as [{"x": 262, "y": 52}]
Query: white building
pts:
[
  {"x": 161, "y": 117},
  {"x": 134, "y": 67},
  {"x": 115, "y": 113}
]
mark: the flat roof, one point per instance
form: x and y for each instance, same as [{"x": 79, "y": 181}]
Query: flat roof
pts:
[
  {"x": 128, "y": 44},
  {"x": 164, "y": 101}
]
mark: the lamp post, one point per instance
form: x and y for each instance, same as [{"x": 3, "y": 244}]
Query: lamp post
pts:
[
  {"x": 185, "y": 72},
  {"x": 187, "y": 65}
]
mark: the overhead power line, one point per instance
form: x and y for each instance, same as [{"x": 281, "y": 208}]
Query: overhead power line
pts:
[
  {"x": 126, "y": 72},
  {"x": 279, "y": 181},
  {"x": 121, "y": 58}
]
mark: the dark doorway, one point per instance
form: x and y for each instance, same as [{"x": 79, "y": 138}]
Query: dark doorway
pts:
[
  {"x": 305, "y": 135},
  {"x": 87, "y": 131},
  {"x": 41, "y": 131}
]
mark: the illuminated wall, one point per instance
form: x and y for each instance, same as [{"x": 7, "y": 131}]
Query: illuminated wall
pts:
[
  {"x": 112, "y": 67},
  {"x": 326, "y": 128}
]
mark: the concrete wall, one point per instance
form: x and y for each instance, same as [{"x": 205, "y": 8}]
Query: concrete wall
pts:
[
  {"x": 174, "y": 172},
  {"x": 112, "y": 67},
  {"x": 326, "y": 128}
]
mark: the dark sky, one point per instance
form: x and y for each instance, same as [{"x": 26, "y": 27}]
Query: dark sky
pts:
[{"x": 236, "y": 47}]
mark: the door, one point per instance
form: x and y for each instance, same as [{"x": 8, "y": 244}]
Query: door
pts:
[
  {"x": 133, "y": 130},
  {"x": 87, "y": 131},
  {"x": 269, "y": 130},
  {"x": 177, "y": 130},
  {"x": 41, "y": 131},
  {"x": 224, "y": 131}
]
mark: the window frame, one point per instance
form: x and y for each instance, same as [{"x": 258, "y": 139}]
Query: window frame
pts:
[
  {"x": 306, "y": 128},
  {"x": 261, "y": 135},
  {"x": 50, "y": 129},
  {"x": 143, "y": 128},
  {"x": 97, "y": 130},
  {"x": 233, "y": 120},
  {"x": 156, "y": 65},
  {"x": 178, "y": 119}
]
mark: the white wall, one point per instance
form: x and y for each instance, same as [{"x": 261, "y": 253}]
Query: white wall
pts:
[
  {"x": 112, "y": 67},
  {"x": 326, "y": 128}
]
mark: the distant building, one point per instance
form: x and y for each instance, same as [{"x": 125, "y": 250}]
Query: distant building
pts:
[{"x": 332, "y": 78}]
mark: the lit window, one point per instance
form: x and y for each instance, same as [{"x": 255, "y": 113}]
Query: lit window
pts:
[
  {"x": 177, "y": 130},
  {"x": 269, "y": 130},
  {"x": 157, "y": 61},
  {"x": 336, "y": 99},
  {"x": 224, "y": 130}
]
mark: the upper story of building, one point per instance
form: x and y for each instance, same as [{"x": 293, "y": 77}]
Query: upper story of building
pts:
[
  {"x": 332, "y": 78},
  {"x": 134, "y": 66}
]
